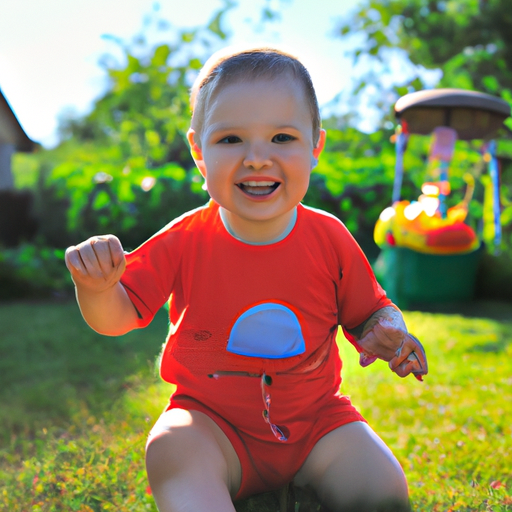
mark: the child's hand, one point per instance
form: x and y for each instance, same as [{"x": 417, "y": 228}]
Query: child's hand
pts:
[
  {"x": 96, "y": 264},
  {"x": 415, "y": 362},
  {"x": 403, "y": 351}
]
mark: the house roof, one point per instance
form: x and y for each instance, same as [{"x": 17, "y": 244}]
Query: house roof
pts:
[{"x": 11, "y": 131}]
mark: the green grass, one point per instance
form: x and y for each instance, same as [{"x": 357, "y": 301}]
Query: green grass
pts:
[{"x": 76, "y": 408}]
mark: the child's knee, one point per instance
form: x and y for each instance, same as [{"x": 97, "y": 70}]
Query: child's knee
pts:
[
  {"x": 352, "y": 469},
  {"x": 190, "y": 444},
  {"x": 162, "y": 459},
  {"x": 186, "y": 474}
]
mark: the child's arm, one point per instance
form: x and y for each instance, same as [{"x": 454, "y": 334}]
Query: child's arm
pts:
[
  {"x": 384, "y": 335},
  {"x": 96, "y": 267}
]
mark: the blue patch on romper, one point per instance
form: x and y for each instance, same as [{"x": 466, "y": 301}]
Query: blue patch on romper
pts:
[{"x": 267, "y": 330}]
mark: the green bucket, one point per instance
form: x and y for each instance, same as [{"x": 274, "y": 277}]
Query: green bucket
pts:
[{"x": 412, "y": 278}]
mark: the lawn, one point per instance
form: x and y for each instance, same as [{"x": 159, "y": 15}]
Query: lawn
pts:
[{"x": 76, "y": 408}]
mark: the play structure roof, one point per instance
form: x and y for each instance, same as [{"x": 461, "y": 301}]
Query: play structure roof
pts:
[{"x": 474, "y": 115}]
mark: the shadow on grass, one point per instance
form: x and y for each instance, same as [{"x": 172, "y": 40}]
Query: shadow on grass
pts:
[
  {"x": 485, "y": 309},
  {"x": 493, "y": 310},
  {"x": 51, "y": 363}
]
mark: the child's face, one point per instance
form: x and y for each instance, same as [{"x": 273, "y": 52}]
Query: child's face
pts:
[{"x": 257, "y": 149}]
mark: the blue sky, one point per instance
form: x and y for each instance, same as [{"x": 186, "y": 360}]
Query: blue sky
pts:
[{"x": 49, "y": 49}]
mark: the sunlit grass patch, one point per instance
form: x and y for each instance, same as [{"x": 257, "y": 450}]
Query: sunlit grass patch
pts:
[
  {"x": 51, "y": 361},
  {"x": 93, "y": 464},
  {"x": 451, "y": 433},
  {"x": 76, "y": 408}
]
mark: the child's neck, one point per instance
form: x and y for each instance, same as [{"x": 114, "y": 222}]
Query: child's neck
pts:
[{"x": 259, "y": 232}]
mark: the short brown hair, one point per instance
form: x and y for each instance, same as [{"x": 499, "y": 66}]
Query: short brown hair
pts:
[{"x": 245, "y": 65}]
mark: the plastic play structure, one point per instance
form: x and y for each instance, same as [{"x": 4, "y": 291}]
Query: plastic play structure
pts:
[{"x": 429, "y": 253}]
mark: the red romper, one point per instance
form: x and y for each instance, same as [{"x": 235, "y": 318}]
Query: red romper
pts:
[{"x": 240, "y": 311}]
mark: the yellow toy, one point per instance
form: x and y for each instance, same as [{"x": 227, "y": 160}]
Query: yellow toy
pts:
[{"x": 419, "y": 226}]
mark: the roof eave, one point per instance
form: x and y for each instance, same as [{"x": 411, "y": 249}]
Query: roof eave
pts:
[{"x": 17, "y": 136}]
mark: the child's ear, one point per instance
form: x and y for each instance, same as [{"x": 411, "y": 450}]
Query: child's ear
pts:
[
  {"x": 196, "y": 152},
  {"x": 320, "y": 144}
]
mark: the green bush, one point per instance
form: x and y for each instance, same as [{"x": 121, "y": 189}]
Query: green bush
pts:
[
  {"x": 31, "y": 271},
  {"x": 128, "y": 200}
]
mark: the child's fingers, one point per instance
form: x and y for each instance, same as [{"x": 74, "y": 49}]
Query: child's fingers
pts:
[
  {"x": 366, "y": 359},
  {"x": 410, "y": 357},
  {"x": 96, "y": 264},
  {"x": 102, "y": 251},
  {"x": 91, "y": 258},
  {"x": 405, "y": 368},
  {"x": 404, "y": 352},
  {"x": 74, "y": 262},
  {"x": 116, "y": 250},
  {"x": 404, "y": 361},
  {"x": 383, "y": 340},
  {"x": 98, "y": 257},
  {"x": 400, "y": 357}
]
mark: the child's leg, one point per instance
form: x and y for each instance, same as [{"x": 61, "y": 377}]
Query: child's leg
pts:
[
  {"x": 191, "y": 464},
  {"x": 351, "y": 469}
]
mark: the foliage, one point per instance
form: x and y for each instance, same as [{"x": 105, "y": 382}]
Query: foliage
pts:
[
  {"x": 31, "y": 271},
  {"x": 468, "y": 41},
  {"x": 145, "y": 111},
  {"x": 131, "y": 171},
  {"x": 76, "y": 409},
  {"x": 127, "y": 163},
  {"x": 131, "y": 201},
  {"x": 26, "y": 170}
]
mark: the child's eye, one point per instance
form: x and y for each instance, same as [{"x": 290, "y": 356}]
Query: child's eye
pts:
[
  {"x": 230, "y": 139},
  {"x": 282, "y": 137}
]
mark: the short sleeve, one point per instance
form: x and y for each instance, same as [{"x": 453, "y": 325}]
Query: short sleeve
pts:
[
  {"x": 150, "y": 274},
  {"x": 359, "y": 293}
]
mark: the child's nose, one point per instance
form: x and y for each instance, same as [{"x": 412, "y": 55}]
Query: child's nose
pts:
[{"x": 257, "y": 157}]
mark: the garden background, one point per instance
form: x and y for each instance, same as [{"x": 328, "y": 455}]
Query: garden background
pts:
[{"x": 76, "y": 406}]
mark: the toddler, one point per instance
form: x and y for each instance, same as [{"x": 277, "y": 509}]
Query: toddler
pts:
[{"x": 257, "y": 285}]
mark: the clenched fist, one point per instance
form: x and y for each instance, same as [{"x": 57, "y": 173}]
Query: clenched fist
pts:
[{"x": 96, "y": 264}]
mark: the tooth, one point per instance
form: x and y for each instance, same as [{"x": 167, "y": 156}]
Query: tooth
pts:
[{"x": 259, "y": 183}]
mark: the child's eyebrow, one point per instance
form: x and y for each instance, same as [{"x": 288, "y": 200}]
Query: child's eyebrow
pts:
[
  {"x": 288, "y": 127},
  {"x": 221, "y": 127}
]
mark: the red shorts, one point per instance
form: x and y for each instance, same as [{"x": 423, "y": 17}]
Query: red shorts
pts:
[{"x": 269, "y": 464}]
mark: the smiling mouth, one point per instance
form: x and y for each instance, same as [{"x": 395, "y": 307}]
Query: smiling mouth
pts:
[{"x": 258, "y": 188}]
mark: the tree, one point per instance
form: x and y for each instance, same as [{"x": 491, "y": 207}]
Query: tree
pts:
[
  {"x": 126, "y": 167},
  {"x": 407, "y": 45},
  {"x": 145, "y": 111}
]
